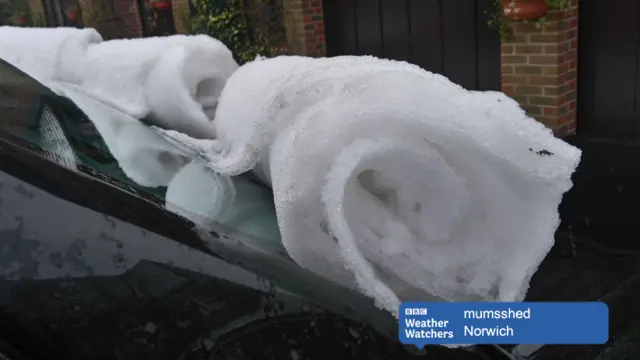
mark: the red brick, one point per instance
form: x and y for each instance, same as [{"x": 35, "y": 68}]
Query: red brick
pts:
[
  {"x": 514, "y": 79},
  {"x": 305, "y": 27},
  {"x": 543, "y": 60},
  {"x": 528, "y": 90},
  {"x": 508, "y": 89},
  {"x": 507, "y": 49},
  {"x": 507, "y": 69},
  {"x": 514, "y": 59},
  {"x": 528, "y": 49}
]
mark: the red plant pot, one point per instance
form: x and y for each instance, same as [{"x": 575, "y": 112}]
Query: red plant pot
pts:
[
  {"x": 161, "y": 5},
  {"x": 524, "y": 9},
  {"x": 73, "y": 15},
  {"x": 20, "y": 20}
]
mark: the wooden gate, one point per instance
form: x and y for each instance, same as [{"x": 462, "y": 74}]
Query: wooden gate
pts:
[
  {"x": 608, "y": 69},
  {"x": 450, "y": 37}
]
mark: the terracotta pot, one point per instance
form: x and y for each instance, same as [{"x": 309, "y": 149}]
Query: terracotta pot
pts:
[
  {"x": 73, "y": 14},
  {"x": 524, "y": 9},
  {"x": 161, "y": 5}
]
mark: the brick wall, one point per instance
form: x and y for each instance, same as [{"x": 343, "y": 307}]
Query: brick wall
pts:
[
  {"x": 304, "y": 26},
  {"x": 539, "y": 68}
]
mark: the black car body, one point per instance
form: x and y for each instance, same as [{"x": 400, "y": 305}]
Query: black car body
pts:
[{"x": 93, "y": 266}]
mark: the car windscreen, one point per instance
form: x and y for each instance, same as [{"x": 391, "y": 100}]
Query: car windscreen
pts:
[{"x": 67, "y": 134}]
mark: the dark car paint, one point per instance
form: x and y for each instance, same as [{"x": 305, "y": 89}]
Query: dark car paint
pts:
[
  {"x": 115, "y": 201},
  {"x": 57, "y": 321}
]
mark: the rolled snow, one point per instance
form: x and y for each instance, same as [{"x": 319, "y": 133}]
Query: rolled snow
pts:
[
  {"x": 172, "y": 81},
  {"x": 47, "y": 53},
  {"x": 191, "y": 191},
  {"x": 393, "y": 180}
]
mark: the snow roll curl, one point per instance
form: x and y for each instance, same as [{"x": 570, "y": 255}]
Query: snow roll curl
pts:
[
  {"x": 173, "y": 81},
  {"x": 393, "y": 180}
]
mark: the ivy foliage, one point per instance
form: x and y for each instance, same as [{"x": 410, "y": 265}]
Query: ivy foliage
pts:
[
  {"x": 9, "y": 12},
  {"x": 226, "y": 21}
]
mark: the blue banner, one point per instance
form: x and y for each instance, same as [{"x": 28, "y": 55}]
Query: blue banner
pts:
[{"x": 504, "y": 323}]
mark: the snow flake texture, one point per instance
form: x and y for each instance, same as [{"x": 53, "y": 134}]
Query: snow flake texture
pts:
[{"x": 394, "y": 180}]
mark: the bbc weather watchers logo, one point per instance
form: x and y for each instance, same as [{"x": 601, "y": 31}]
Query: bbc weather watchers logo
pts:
[
  {"x": 415, "y": 311},
  {"x": 465, "y": 323}
]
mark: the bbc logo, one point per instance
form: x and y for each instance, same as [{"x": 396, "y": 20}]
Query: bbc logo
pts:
[{"x": 415, "y": 311}]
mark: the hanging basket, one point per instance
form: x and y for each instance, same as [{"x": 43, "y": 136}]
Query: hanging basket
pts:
[
  {"x": 524, "y": 9},
  {"x": 161, "y": 5}
]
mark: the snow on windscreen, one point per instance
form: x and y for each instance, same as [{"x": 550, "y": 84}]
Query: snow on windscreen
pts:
[
  {"x": 172, "y": 81},
  {"x": 393, "y": 180},
  {"x": 146, "y": 158},
  {"x": 47, "y": 53},
  {"x": 193, "y": 191},
  {"x": 175, "y": 81}
]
